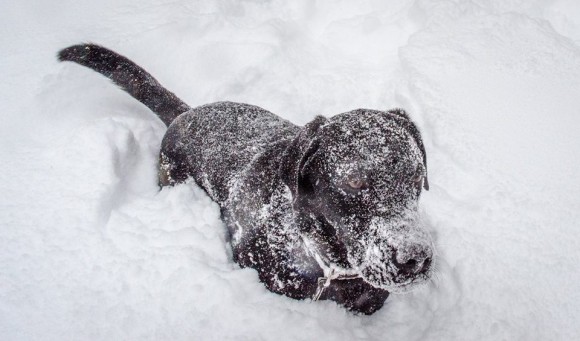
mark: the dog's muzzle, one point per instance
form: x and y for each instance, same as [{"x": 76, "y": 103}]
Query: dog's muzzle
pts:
[{"x": 397, "y": 258}]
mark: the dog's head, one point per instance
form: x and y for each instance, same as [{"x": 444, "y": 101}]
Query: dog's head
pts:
[{"x": 361, "y": 173}]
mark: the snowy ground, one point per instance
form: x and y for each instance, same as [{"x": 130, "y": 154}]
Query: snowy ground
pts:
[{"x": 91, "y": 249}]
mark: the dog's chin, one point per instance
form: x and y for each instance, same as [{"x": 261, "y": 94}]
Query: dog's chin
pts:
[
  {"x": 400, "y": 288},
  {"x": 405, "y": 288}
]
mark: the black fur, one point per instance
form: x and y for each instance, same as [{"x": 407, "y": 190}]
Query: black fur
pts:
[{"x": 343, "y": 189}]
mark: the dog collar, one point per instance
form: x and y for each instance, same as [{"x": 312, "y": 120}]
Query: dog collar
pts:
[{"x": 331, "y": 271}]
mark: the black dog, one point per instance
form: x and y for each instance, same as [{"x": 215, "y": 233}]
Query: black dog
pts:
[{"x": 324, "y": 211}]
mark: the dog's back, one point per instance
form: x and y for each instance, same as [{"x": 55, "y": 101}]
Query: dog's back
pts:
[
  {"x": 218, "y": 141},
  {"x": 212, "y": 143}
]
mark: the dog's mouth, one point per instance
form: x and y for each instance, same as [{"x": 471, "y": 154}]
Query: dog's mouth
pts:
[
  {"x": 396, "y": 270},
  {"x": 393, "y": 281}
]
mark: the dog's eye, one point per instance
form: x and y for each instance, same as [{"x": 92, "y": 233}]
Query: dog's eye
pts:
[
  {"x": 356, "y": 183},
  {"x": 418, "y": 179},
  {"x": 419, "y": 176}
]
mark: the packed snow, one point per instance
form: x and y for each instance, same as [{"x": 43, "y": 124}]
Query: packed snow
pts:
[{"x": 92, "y": 249}]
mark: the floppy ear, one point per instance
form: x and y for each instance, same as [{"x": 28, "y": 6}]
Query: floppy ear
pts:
[
  {"x": 300, "y": 149},
  {"x": 402, "y": 116}
]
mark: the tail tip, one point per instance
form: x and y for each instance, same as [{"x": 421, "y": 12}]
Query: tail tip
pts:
[{"x": 75, "y": 52}]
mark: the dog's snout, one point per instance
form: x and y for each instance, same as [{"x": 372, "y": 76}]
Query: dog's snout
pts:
[{"x": 412, "y": 260}]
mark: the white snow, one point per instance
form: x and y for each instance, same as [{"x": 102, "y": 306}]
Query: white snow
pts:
[{"x": 90, "y": 249}]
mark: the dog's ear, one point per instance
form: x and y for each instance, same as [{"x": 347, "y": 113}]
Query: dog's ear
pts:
[
  {"x": 298, "y": 152},
  {"x": 402, "y": 116},
  {"x": 399, "y": 112}
]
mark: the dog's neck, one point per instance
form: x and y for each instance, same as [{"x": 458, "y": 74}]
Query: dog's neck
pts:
[
  {"x": 321, "y": 243},
  {"x": 323, "y": 238},
  {"x": 331, "y": 271}
]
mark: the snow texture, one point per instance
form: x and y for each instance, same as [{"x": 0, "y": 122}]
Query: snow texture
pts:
[{"x": 91, "y": 249}]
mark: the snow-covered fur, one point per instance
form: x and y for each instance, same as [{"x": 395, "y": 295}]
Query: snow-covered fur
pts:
[{"x": 324, "y": 211}]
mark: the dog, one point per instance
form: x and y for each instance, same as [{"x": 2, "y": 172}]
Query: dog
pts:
[{"x": 328, "y": 211}]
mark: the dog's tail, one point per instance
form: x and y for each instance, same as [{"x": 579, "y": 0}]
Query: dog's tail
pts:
[{"x": 129, "y": 76}]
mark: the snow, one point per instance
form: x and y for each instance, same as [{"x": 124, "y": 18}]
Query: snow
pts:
[{"x": 90, "y": 248}]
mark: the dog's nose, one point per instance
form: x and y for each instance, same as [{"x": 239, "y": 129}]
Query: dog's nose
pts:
[{"x": 412, "y": 260}]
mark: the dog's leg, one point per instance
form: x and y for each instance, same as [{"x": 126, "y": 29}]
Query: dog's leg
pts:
[
  {"x": 172, "y": 169},
  {"x": 129, "y": 76},
  {"x": 174, "y": 165},
  {"x": 280, "y": 269}
]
